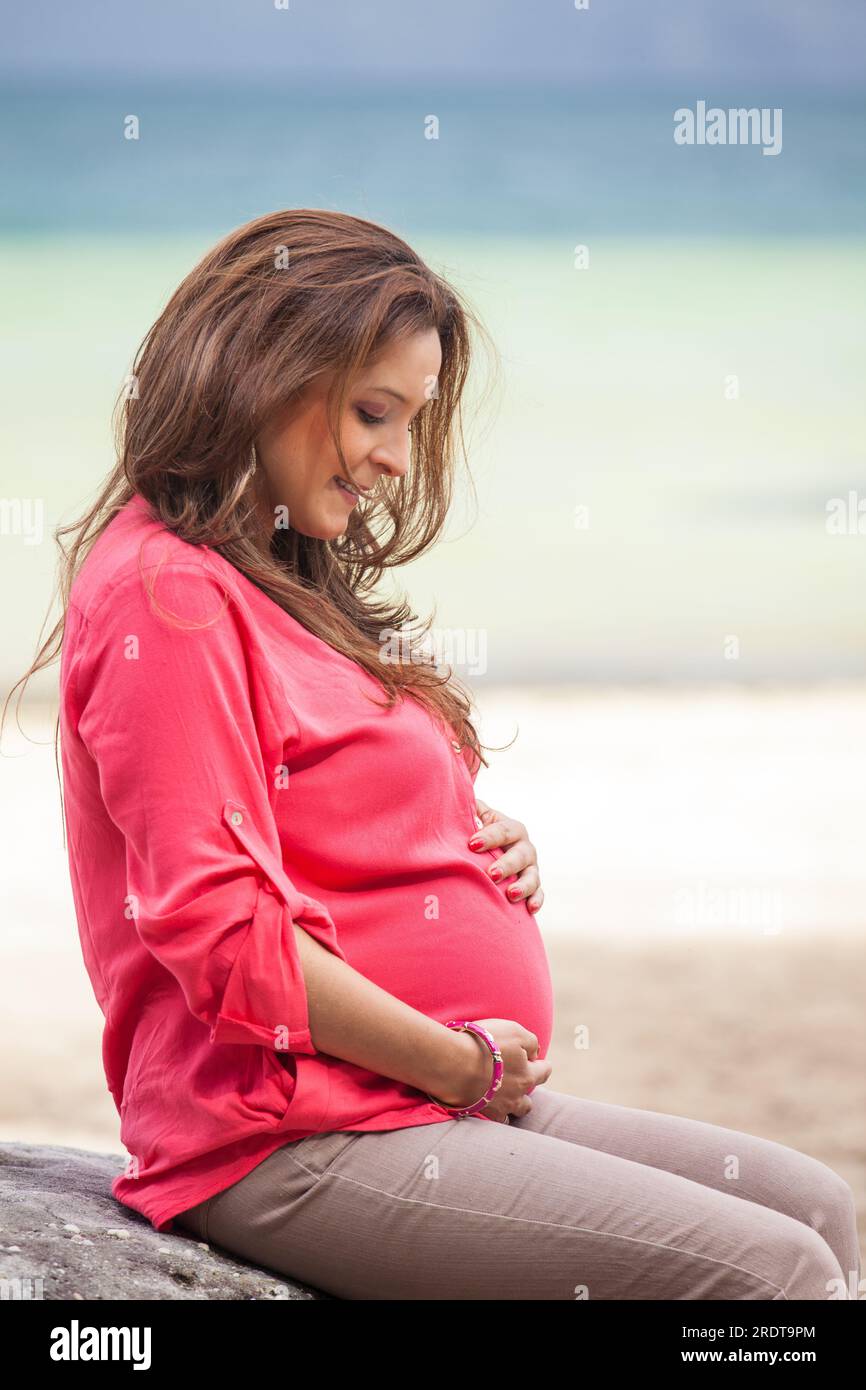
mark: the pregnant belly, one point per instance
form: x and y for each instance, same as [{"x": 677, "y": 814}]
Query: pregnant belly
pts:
[{"x": 454, "y": 946}]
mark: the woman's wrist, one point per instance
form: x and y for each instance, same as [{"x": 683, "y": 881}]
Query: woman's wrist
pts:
[{"x": 468, "y": 1071}]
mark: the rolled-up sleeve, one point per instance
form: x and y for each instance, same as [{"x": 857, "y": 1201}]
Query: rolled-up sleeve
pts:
[{"x": 172, "y": 707}]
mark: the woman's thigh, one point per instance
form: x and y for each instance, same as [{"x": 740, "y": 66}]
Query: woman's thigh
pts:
[
  {"x": 473, "y": 1209},
  {"x": 744, "y": 1165}
]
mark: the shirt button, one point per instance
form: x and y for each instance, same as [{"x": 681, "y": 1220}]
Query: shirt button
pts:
[
  {"x": 237, "y": 818},
  {"x": 455, "y": 746},
  {"x": 478, "y": 823}
]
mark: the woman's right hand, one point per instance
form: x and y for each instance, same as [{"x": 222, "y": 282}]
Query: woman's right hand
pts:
[{"x": 522, "y": 1070}]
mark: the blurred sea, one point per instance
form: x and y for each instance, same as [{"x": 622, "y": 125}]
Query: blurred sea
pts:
[{"x": 654, "y": 467}]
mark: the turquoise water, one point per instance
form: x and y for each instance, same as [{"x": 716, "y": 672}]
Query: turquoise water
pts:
[
  {"x": 554, "y": 160},
  {"x": 634, "y": 521}
]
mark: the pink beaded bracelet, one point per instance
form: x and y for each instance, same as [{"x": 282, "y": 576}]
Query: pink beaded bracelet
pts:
[{"x": 464, "y": 1025}]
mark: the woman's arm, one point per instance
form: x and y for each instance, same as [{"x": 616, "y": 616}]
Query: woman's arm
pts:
[
  {"x": 353, "y": 1018},
  {"x": 165, "y": 710}
]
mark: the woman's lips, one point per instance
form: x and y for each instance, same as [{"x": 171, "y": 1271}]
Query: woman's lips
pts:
[{"x": 345, "y": 492}]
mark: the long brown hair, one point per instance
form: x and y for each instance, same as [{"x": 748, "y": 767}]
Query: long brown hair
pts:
[{"x": 279, "y": 300}]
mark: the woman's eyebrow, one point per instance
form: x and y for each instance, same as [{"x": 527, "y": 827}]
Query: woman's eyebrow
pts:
[{"x": 389, "y": 391}]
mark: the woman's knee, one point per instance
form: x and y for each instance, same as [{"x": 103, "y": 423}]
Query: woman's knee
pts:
[
  {"x": 804, "y": 1266},
  {"x": 808, "y": 1191},
  {"x": 827, "y": 1205}
]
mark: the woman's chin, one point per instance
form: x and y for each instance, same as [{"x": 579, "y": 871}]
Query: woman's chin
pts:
[
  {"x": 326, "y": 525},
  {"x": 325, "y": 528},
  {"x": 335, "y": 526}
]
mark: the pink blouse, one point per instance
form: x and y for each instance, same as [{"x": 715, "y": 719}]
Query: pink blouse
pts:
[{"x": 226, "y": 774}]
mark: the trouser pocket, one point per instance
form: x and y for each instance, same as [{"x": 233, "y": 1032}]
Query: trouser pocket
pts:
[
  {"x": 319, "y": 1151},
  {"x": 273, "y": 1186}
]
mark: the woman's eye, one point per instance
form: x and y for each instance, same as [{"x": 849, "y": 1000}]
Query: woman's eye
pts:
[{"x": 368, "y": 418}]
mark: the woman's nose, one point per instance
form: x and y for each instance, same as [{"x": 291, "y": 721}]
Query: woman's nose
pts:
[{"x": 395, "y": 461}]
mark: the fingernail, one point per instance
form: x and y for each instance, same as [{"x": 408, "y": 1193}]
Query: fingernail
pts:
[
  {"x": 495, "y": 873},
  {"x": 476, "y": 843},
  {"x": 514, "y": 892}
]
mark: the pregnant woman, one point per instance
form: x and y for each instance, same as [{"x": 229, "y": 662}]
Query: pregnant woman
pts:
[{"x": 327, "y": 1001}]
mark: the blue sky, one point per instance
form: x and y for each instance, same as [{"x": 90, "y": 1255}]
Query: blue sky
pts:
[{"x": 761, "y": 41}]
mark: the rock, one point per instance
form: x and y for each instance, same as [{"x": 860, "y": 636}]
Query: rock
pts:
[{"x": 60, "y": 1223}]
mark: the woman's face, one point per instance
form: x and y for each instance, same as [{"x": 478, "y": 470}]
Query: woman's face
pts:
[{"x": 298, "y": 463}]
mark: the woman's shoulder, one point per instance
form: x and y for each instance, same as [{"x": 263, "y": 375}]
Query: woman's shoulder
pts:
[{"x": 138, "y": 561}]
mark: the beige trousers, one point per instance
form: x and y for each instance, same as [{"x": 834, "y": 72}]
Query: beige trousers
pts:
[{"x": 579, "y": 1199}]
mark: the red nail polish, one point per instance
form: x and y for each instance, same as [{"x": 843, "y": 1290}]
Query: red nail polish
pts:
[
  {"x": 475, "y": 844},
  {"x": 496, "y": 874}
]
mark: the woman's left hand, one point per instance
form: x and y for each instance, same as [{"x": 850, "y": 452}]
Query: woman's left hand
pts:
[{"x": 502, "y": 830}]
